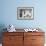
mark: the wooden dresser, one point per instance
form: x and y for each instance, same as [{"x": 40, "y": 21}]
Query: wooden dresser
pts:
[{"x": 23, "y": 39}]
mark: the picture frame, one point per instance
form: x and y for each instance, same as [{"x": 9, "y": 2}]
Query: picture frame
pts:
[{"x": 25, "y": 13}]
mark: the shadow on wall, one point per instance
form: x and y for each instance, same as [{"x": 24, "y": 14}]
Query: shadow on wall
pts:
[{"x": 2, "y": 26}]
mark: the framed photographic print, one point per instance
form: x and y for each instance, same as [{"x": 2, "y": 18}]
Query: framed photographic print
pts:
[{"x": 25, "y": 13}]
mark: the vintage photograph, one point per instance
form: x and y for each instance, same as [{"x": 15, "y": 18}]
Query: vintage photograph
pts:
[{"x": 25, "y": 13}]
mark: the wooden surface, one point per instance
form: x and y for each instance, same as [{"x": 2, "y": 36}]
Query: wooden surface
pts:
[
  {"x": 23, "y": 39},
  {"x": 13, "y": 39},
  {"x": 34, "y": 39}
]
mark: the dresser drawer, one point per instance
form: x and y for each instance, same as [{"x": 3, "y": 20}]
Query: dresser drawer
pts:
[
  {"x": 8, "y": 45},
  {"x": 37, "y": 44},
  {"x": 34, "y": 33},
  {"x": 37, "y": 39},
  {"x": 13, "y": 33},
  {"x": 13, "y": 44},
  {"x": 12, "y": 39}
]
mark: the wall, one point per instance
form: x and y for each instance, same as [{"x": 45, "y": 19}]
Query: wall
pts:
[{"x": 9, "y": 13}]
